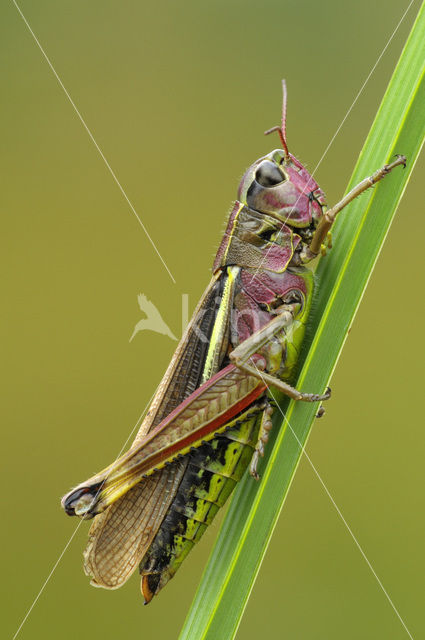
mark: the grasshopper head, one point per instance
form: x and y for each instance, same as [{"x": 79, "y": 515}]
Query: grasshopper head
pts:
[{"x": 281, "y": 187}]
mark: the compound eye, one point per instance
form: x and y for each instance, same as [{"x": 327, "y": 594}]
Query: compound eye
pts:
[{"x": 268, "y": 174}]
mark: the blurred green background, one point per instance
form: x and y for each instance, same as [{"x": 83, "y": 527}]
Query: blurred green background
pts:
[{"x": 177, "y": 95}]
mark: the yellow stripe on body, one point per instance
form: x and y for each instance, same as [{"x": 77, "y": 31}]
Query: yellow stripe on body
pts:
[{"x": 220, "y": 325}]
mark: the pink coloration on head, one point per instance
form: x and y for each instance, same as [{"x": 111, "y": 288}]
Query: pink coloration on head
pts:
[{"x": 283, "y": 188}]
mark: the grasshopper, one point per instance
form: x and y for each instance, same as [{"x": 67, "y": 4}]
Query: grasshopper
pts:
[{"x": 211, "y": 415}]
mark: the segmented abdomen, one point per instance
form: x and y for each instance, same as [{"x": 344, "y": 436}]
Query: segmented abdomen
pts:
[{"x": 211, "y": 475}]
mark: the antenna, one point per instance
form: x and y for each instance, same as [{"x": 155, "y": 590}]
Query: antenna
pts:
[{"x": 282, "y": 129}]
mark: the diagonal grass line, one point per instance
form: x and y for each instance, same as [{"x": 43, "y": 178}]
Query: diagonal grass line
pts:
[
  {"x": 342, "y": 272},
  {"x": 398, "y": 127},
  {"x": 92, "y": 138},
  {"x": 74, "y": 533},
  {"x": 347, "y": 526}
]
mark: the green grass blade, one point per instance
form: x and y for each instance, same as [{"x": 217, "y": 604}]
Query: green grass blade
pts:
[{"x": 399, "y": 127}]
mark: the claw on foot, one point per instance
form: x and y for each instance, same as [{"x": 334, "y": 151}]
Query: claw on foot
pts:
[
  {"x": 402, "y": 159},
  {"x": 320, "y": 412},
  {"x": 253, "y": 466}
]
